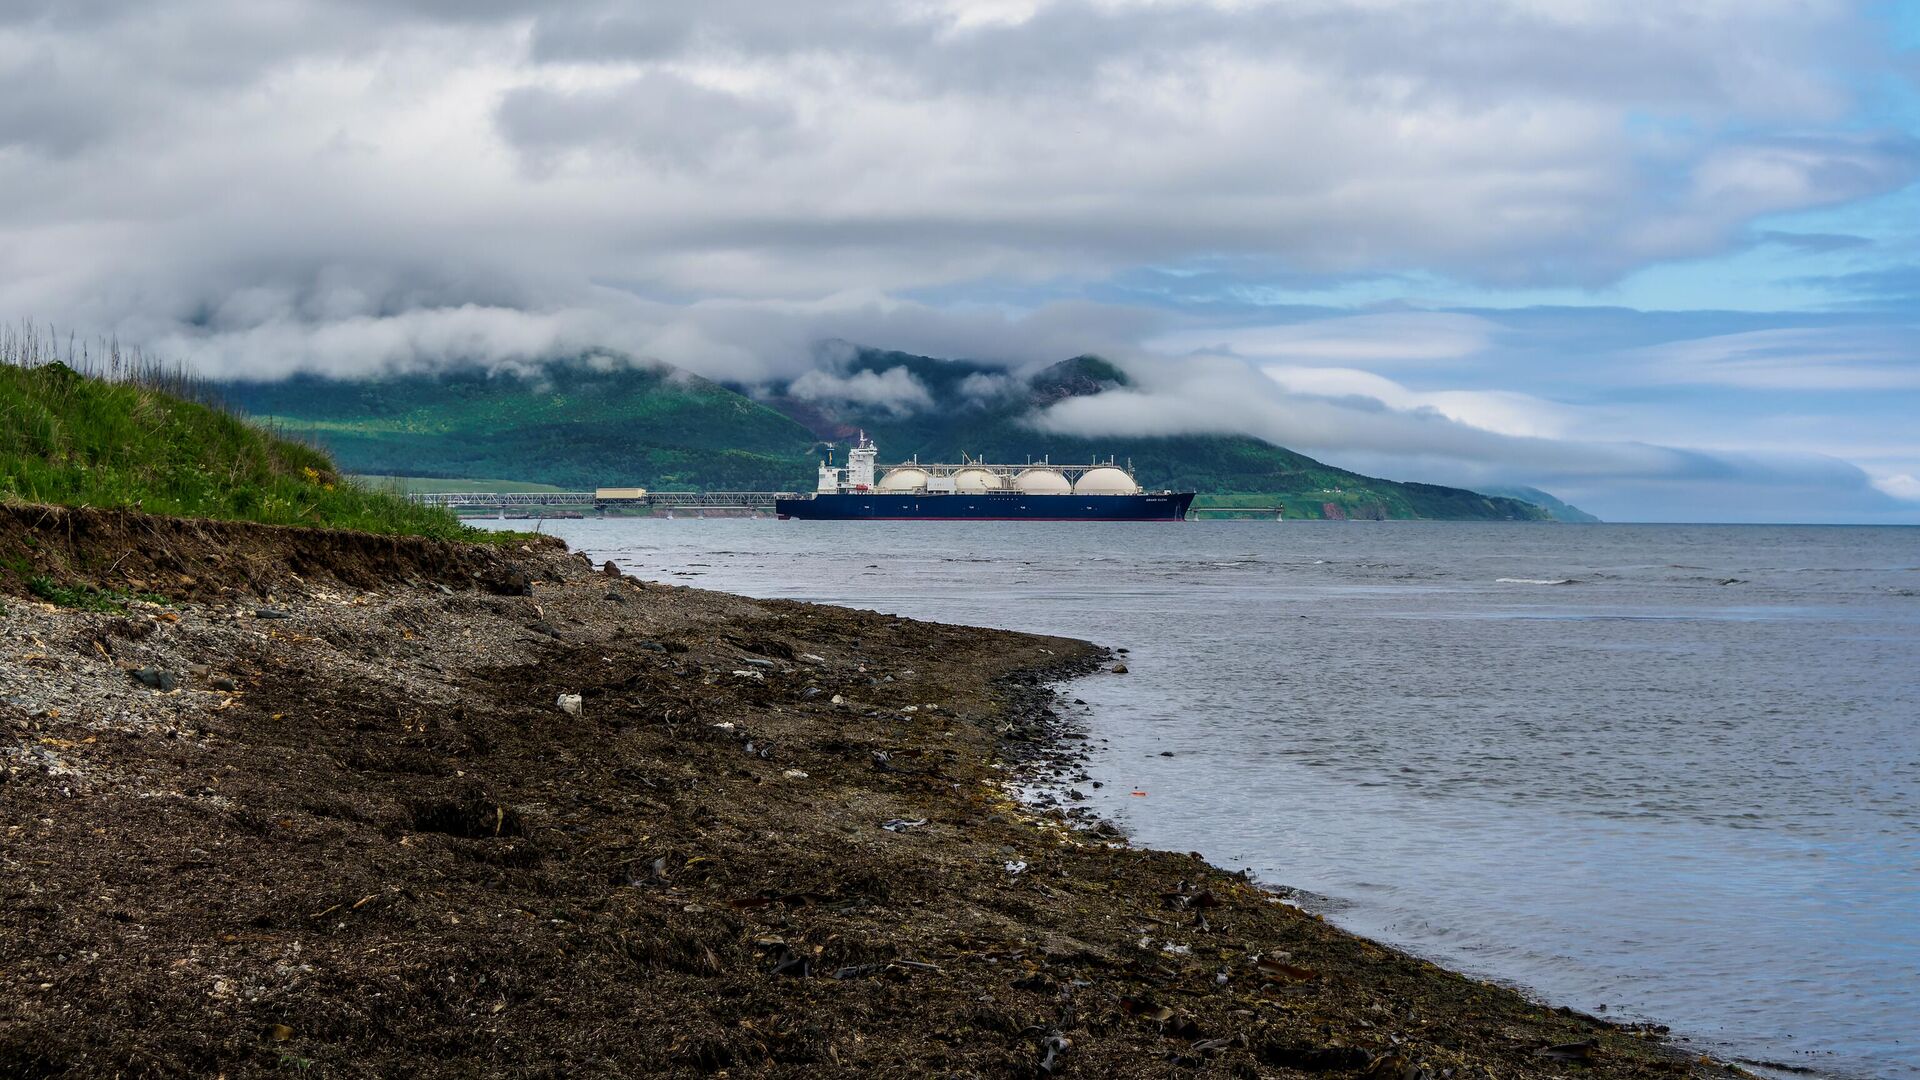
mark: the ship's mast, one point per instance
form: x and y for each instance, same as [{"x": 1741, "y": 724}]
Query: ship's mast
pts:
[{"x": 829, "y": 476}]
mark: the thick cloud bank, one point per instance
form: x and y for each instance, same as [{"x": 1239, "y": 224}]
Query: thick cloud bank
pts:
[
  {"x": 1474, "y": 438},
  {"x": 355, "y": 187}
]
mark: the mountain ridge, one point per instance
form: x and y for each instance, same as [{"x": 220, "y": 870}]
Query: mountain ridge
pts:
[{"x": 599, "y": 420}]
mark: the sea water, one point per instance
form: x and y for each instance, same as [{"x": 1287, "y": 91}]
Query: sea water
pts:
[{"x": 1656, "y": 772}]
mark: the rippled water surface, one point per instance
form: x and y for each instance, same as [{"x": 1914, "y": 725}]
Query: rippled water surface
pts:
[{"x": 1671, "y": 771}]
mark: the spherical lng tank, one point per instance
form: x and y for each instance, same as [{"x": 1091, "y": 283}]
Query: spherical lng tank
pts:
[
  {"x": 1105, "y": 481},
  {"x": 906, "y": 479},
  {"x": 1042, "y": 482},
  {"x": 977, "y": 480}
]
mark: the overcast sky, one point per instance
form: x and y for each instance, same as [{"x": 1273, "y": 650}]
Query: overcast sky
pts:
[{"x": 1661, "y": 259}]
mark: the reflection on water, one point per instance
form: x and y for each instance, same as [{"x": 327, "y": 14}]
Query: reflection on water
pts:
[{"x": 1671, "y": 770}]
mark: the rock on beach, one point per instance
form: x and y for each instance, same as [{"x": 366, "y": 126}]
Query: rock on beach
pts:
[{"x": 399, "y": 842}]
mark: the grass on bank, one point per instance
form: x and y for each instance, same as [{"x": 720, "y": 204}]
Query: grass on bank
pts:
[{"x": 133, "y": 441}]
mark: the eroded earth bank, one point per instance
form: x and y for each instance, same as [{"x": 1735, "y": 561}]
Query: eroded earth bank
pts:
[{"x": 281, "y": 800}]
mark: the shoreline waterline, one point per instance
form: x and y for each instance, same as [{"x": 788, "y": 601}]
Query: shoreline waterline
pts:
[
  {"x": 1702, "y": 832},
  {"x": 553, "y": 818}
]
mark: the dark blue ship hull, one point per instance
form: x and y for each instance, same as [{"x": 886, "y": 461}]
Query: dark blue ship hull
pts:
[{"x": 987, "y": 506}]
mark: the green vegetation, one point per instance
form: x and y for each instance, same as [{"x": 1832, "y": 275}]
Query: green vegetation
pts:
[
  {"x": 85, "y": 597},
  {"x": 135, "y": 442},
  {"x": 593, "y": 421},
  {"x": 1223, "y": 468},
  {"x": 1559, "y": 511},
  {"x": 579, "y": 424}
]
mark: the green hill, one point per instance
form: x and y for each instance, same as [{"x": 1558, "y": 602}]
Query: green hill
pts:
[
  {"x": 593, "y": 421},
  {"x": 1559, "y": 511},
  {"x": 77, "y": 440},
  {"x": 578, "y": 424},
  {"x": 986, "y": 419}
]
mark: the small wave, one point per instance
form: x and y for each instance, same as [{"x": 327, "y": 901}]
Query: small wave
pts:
[{"x": 1533, "y": 581}]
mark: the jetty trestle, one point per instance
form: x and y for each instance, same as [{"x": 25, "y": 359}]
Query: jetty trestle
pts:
[{"x": 508, "y": 500}]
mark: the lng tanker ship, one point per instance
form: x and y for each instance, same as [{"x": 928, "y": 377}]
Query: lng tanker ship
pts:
[{"x": 977, "y": 491}]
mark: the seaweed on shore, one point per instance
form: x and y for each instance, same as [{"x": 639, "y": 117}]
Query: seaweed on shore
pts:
[{"x": 364, "y": 840}]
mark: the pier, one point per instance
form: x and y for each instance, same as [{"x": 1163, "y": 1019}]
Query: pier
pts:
[
  {"x": 1278, "y": 513},
  {"x": 671, "y": 500}
]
